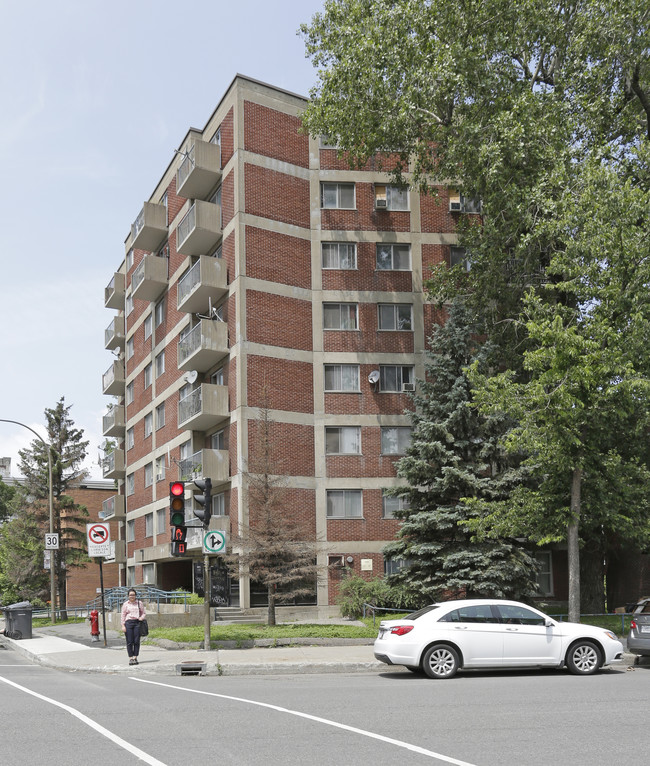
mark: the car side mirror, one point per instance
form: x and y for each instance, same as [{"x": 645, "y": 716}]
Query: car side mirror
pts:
[{"x": 549, "y": 624}]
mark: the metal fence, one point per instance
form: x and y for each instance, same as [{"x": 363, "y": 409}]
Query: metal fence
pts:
[{"x": 115, "y": 597}]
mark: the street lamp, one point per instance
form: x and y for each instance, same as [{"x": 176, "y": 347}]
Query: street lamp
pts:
[{"x": 49, "y": 482}]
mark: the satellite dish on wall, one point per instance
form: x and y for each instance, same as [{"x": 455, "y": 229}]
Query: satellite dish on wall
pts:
[
  {"x": 373, "y": 377},
  {"x": 191, "y": 376}
]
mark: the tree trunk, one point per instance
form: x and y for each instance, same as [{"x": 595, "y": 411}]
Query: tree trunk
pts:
[
  {"x": 592, "y": 580},
  {"x": 573, "y": 544},
  {"x": 271, "y": 617}
]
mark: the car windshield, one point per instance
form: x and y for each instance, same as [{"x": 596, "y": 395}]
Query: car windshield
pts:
[{"x": 420, "y": 612}]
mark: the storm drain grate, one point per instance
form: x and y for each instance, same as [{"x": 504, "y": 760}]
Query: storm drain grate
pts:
[{"x": 191, "y": 669}]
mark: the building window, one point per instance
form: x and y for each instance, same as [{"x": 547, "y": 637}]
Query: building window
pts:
[
  {"x": 459, "y": 203},
  {"x": 130, "y": 484},
  {"x": 392, "y": 566},
  {"x": 339, "y": 255},
  {"x": 391, "y": 197},
  {"x": 342, "y": 377},
  {"x": 393, "y": 257},
  {"x": 130, "y": 348},
  {"x": 129, "y": 260},
  {"x": 128, "y": 304},
  {"x": 216, "y": 139},
  {"x": 130, "y": 531},
  {"x": 395, "y": 316},
  {"x": 218, "y": 440},
  {"x": 148, "y": 475},
  {"x": 337, "y": 196},
  {"x": 545, "y": 574},
  {"x": 129, "y": 393},
  {"x": 343, "y": 440},
  {"x": 160, "y": 468},
  {"x": 148, "y": 324},
  {"x": 130, "y": 438},
  {"x": 395, "y": 440},
  {"x": 325, "y": 142},
  {"x": 148, "y": 424},
  {"x": 340, "y": 316},
  {"x": 159, "y": 312},
  {"x": 391, "y": 504},
  {"x": 217, "y": 377},
  {"x": 161, "y": 521},
  {"x": 160, "y": 364},
  {"x": 185, "y": 450},
  {"x": 148, "y": 525},
  {"x": 219, "y": 504},
  {"x": 160, "y": 415},
  {"x": 148, "y": 574},
  {"x": 344, "y": 504},
  {"x": 394, "y": 377},
  {"x": 148, "y": 375},
  {"x": 458, "y": 256}
]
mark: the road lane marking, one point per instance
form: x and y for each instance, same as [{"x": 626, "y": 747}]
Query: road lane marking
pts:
[
  {"x": 89, "y": 722},
  {"x": 317, "y": 719}
]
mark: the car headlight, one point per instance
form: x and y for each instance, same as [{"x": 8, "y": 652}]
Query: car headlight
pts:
[{"x": 611, "y": 635}]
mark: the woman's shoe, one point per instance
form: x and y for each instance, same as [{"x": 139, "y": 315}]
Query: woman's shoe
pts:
[
  {"x": 135, "y": 661},
  {"x": 132, "y": 660}
]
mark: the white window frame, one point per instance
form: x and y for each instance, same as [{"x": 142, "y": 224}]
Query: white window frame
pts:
[
  {"x": 129, "y": 260},
  {"x": 347, "y": 374},
  {"x": 130, "y": 438},
  {"x": 160, "y": 415},
  {"x": 130, "y": 484},
  {"x": 160, "y": 468},
  {"x": 160, "y": 363},
  {"x": 404, "y": 373},
  {"x": 392, "y": 317},
  {"x": 148, "y": 375},
  {"x": 159, "y": 312},
  {"x": 217, "y": 377},
  {"x": 148, "y": 474},
  {"x": 402, "y": 439},
  {"x": 345, "y": 436},
  {"x": 337, "y": 187},
  {"x": 339, "y": 315},
  {"x": 148, "y": 326},
  {"x": 391, "y": 504},
  {"x": 130, "y": 531},
  {"x": 458, "y": 256},
  {"x": 148, "y": 524},
  {"x": 218, "y": 439},
  {"x": 129, "y": 393},
  {"x": 128, "y": 304},
  {"x": 219, "y": 504},
  {"x": 161, "y": 521},
  {"x": 545, "y": 559},
  {"x": 340, "y": 254},
  {"x": 340, "y": 503},
  {"x": 389, "y": 256},
  {"x": 148, "y": 425},
  {"x": 130, "y": 348},
  {"x": 392, "y": 197}
]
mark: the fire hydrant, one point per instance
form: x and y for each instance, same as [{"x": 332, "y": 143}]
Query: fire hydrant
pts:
[{"x": 94, "y": 625}]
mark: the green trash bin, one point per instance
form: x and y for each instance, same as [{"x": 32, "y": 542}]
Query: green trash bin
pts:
[{"x": 18, "y": 620}]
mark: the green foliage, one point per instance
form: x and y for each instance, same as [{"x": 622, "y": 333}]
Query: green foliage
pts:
[
  {"x": 193, "y": 598},
  {"x": 6, "y": 495},
  {"x": 354, "y": 592},
  {"x": 243, "y": 633}
]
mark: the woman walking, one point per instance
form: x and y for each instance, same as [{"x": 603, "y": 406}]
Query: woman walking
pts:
[{"x": 132, "y": 615}]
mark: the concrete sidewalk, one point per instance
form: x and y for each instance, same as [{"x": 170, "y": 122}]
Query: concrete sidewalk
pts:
[{"x": 69, "y": 647}]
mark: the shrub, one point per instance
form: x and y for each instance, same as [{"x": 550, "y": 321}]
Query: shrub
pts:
[{"x": 355, "y": 592}]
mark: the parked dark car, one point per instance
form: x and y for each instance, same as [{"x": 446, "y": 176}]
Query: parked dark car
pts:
[{"x": 638, "y": 641}]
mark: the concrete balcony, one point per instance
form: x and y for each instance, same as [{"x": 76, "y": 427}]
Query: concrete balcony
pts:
[
  {"x": 114, "y": 333},
  {"x": 113, "y": 422},
  {"x": 113, "y": 465},
  {"x": 207, "y": 463},
  {"x": 113, "y": 508},
  {"x": 200, "y": 230},
  {"x": 200, "y": 171},
  {"x": 113, "y": 379},
  {"x": 203, "y": 346},
  {"x": 149, "y": 230},
  {"x": 150, "y": 279},
  {"x": 206, "y": 281},
  {"x": 203, "y": 408},
  {"x": 117, "y": 552},
  {"x": 114, "y": 292}
]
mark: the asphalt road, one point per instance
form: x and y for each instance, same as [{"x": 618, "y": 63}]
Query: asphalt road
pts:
[{"x": 480, "y": 719}]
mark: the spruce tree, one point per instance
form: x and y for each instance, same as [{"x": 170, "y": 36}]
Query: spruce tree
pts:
[
  {"x": 68, "y": 451},
  {"x": 454, "y": 454}
]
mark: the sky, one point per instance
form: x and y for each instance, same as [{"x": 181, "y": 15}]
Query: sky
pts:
[{"x": 94, "y": 98}]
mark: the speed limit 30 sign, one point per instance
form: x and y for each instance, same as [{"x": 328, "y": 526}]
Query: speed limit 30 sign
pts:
[{"x": 52, "y": 541}]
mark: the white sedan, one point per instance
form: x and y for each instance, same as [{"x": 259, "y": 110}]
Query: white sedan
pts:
[{"x": 491, "y": 633}]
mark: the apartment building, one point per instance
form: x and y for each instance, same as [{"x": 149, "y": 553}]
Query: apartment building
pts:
[{"x": 262, "y": 270}]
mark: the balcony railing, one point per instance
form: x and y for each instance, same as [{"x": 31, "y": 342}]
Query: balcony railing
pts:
[
  {"x": 114, "y": 333},
  {"x": 149, "y": 230},
  {"x": 113, "y": 421},
  {"x": 113, "y": 508},
  {"x": 114, "y": 292},
  {"x": 204, "y": 282},
  {"x": 209, "y": 463},
  {"x": 200, "y": 230},
  {"x": 204, "y": 407},
  {"x": 113, "y": 465},
  {"x": 150, "y": 279},
  {"x": 203, "y": 346},
  {"x": 199, "y": 171},
  {"x": 113, "y": 379}
]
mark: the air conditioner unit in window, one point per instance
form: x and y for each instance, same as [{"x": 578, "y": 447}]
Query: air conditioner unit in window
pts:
[
  {"x": 335, "y": 560},
  {"x": 455, "y": 206},
  {"x": 408, "y": 386},
  {"x": 381, "y": 204}
]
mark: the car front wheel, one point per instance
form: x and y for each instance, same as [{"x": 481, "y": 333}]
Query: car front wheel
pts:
[
  {"x": 583, "y": 658},
  {"x": 440, "y": 661}
]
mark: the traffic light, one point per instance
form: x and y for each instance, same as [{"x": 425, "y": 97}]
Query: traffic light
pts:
[
  {"x": 177, "y": 517},
  {"x": 204, "y": 500}
]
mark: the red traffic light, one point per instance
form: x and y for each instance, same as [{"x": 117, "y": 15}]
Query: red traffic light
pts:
[{"x": 177, "y": 488}]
